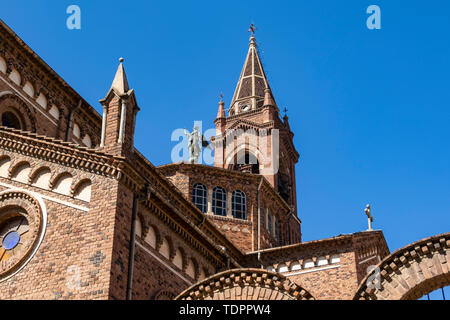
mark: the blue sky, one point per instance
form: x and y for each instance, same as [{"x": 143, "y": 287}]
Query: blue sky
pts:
[{"x": 369, "y": 108}]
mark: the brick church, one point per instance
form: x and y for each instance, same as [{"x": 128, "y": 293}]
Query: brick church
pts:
[{"x": 84, "y": 215}]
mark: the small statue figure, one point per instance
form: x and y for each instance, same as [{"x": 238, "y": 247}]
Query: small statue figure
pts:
[
  {"x": 368, "y": 212},
  {"x": 195, "y": 138}
]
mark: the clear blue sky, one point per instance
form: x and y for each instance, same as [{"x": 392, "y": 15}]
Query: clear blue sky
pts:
[{"x": 369, "y": 109}]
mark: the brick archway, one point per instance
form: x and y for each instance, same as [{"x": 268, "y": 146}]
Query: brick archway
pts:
[
  {"x": 410, "y": 272},
  {"x": 245, "y": 284}
]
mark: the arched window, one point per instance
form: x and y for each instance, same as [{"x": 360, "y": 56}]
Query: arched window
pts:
[
  {"x": 277, "y": 231},
  {"x": 219, "y": 205},
  {"x": 199, "y": 197},
  {"x": 269, "y": 222},
  {"x": 246, "y": 162},
  {"x": 238, "y": 205},
  {"x": 263, "y": 216},
  {"x": 10, "y": 120}
]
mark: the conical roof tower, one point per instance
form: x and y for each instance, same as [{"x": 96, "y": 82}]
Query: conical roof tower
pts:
[{"x": 251, "y": 88}]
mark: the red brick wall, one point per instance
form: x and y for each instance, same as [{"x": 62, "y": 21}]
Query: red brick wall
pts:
[
  {"x": 330, "y": 280},
  {"x": 243, "y": 234},
  {"x": 151, "y": 277},
  {"x": 73, "y": 238},
  {"x": 331, "y": 284},
  {"x": 121, "y": 210}
]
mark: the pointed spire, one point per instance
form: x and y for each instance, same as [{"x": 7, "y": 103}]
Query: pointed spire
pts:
[
  {"x": 120, "y": 82},
  {"x": 250, "y": 90}
]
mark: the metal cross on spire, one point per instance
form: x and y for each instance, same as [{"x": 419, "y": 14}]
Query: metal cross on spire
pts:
[
  {"x": 369, "y": 217},
  {"x": 252, "y": 29}
]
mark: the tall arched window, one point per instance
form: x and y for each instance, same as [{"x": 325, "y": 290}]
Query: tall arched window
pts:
[
  {"x": 269, "y": 222},
  {"x": 263, "y": 216},
  {"x": 10, "y": 120},
  {"x": 219, "y": 205},
  {"x": 238, "y": 204},
  {"x": 277, "y": 231},
  {"x": 199, "y": 196}
]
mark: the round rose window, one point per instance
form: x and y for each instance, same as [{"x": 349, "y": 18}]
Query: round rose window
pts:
[
  {"x": 13, "y": 235},
  {"x": 22, "y": 225}
]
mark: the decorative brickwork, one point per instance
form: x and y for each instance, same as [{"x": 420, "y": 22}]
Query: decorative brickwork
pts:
[
  {"x": 246, "y": 284},
  {"x": 410, "y": 272},
  {"x": 84, "y": 215},
  {"x": 242, "y": 232},
  {"x": 21, "y": 216},
  {"x": 327, "y": 268}
]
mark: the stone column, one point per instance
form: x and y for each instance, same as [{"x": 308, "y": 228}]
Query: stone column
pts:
[
  {"x": 123, "y": 119},
  {"x": 209, "y": 201}
]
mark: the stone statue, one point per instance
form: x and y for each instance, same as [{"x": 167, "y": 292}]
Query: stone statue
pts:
[
  {"x": 195, "y": 138},
  {"x": 369, "y": 217}
]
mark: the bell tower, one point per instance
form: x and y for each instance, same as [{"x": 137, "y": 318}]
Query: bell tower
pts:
[{"x": 251, "y": 137}]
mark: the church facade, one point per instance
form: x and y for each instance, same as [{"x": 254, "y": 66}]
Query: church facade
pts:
[{"x": 84, "y": 215}]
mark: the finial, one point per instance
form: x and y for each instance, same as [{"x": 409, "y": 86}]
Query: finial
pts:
[
  {"x": 285, "y": 110},
  {"x": 252, "y": 29},
  {"x": 221, "y": 112},
  {"x": 252, "y": 37},
  {"x": 369, "y": 217},
  {"x": 121, "y": 60}
]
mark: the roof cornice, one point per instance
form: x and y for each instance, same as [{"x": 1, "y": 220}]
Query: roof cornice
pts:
[
  {"x": 65, "y": 88},
  {"x": 53, "y": 150}
]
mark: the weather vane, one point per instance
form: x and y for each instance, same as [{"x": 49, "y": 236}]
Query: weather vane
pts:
[
  {"x": 252, "y": 29},
  {"x": 221, "y": 96},
  {"x": 285, "y": 110}
]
